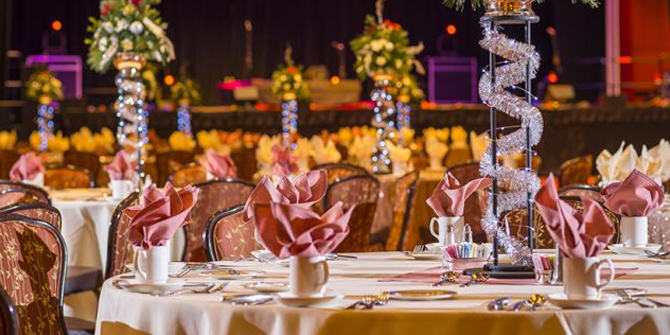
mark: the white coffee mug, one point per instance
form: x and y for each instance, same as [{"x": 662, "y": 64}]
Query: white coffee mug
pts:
[
  {"x": 442, "y": 222},
  {"x": 37, "y": 181},
  {"x": 151, "y": 266},
  {"x": 308, "y": 275},
  {"x": 581, "y": 277},
  {"x": 436, "y": 163},
  {"x": 120, "y": 188},
  {"x": 634, "y": 231}
]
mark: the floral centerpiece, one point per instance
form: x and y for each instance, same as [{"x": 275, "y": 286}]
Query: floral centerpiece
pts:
[
  {"x": 406, "y": 88},
  {"x": 186, "y": 92},
  {"x": 505, "y": 7},
  {"x": 43, "y": 86},
  {"x": 287, "y": 80},
  {"x": 128, "y": 26}
]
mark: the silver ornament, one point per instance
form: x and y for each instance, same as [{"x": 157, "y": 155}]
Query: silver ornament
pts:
[{"x": 136, "y": 27}]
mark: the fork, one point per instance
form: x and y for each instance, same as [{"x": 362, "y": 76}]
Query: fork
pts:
[
  {"x": 205, "y": 289},
  {"x": 478, "y": 277},
  {"x": 367, "y": 301},
  {"x": 419, "y": 248},
  {"x": 626, "y": 299}
]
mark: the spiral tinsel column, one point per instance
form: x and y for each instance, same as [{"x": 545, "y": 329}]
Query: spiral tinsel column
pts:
[
  {"x": 384, "y": 123},
  {"x": 404, "y": 120},
  {"x": 133, "y": 118},
  {"x": 184, "y": 119},
  {"x": 45, "y": 124},
  {"x": 289, "y": 122},
  {"x": 514, "y": 187}
]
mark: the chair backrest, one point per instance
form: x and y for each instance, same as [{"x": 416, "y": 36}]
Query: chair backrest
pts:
[
  {"x": 228, "y": 237},
  {"x": 476, "y": 204},
  {"x": 7, "y": 160},
  {"x": 456, "y": 156},
  {"x": 119, "y": 248},
  {"x": 362, "y": 191},
  {"x": 35, "y": 256},
  {"x": 11, "y": 197},
  {"x": 9, "y": 319},
  {"x": 338, "y": 171},
  {"x": 35, "y": 191},
  {"x": 37, "y": 211},
  {"x": 188, "y": 174},
  {"x": 245, "y": 161},
  {"x": 404, "y": 197},
  {"x": 213, "y": 196},
  {"x": 575, "y": 171},
  {"x": 582, "y": 191},
  {"x": 67, "y": 176},
  {"x": 167, "y": 162},
  {"x": 84, "y": 160}
]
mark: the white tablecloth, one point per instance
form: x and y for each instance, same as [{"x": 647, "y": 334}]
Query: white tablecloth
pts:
[{"x": 125, "y": 312}]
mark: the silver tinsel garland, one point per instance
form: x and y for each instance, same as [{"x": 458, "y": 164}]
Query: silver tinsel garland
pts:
[
  {"x": 132, "y": 129},
  {"x": 184, "y": 119},
  {"x": 45, "y": 124},
  {"x": 289, "y": 122},
  {"x": 384, "y": 123},
  {"x": 513, "y": 184}
]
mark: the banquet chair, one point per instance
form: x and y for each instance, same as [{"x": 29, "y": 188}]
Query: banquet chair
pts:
[
  {"x": 119, "y": 248},
  {"x": 67, "y": 176},
  {"x": 188, "y": 174},
  {"x": 337, "y": 171},
  {"x": 167, "y": 162},
  {"x": 78, "y": 278},
  {"x": 245, "y": 161},
  {"x": 582, "y": 191},
  {"x": 9, "y": 319},
  {"x": 38, "y": 258},
  {"x": 456, "y": 156},
  {"x": 575, "y": 171},
  {"x": 11, "y": 197},
  {"x": 404, "y": 233},
  {"x": 84, "y": 160},
  {"x": 213, "y": 196},
  {"x": 363, "y": 192},
  {"x": 228, "y": 237},
  {"x": 476, "y": 204},
  {"x": 7, "y": 160},
  {"x": 35, "y": 191}
]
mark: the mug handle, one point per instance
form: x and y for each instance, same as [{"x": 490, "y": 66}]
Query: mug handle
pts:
[
  {"x": 325, "y": 273},
  {"x": 598, "y": 268},
  {"x": 136, "y": 264},
  {"x": 431, "y": 224}
]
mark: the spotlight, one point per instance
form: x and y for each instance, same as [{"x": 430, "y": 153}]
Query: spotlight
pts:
[
  {"x": 335, "y": 80},
  {"x": 553, "y": 78},
  {"x": 451, "y": 29},
  {"x": 56, "y": 25},
  {"x": 168, "y": 80}
]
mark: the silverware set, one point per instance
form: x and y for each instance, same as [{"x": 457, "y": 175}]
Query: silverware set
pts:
[
  {"x": 659, "y": 255},
  {"x": 448, "y": 277},
  {"x": 478, "y": 277},
  {"x": 531, "y": 304},
  {"x": 641, "y": 301},
  {"x": 247, "y": 299},
  {"x": 189, "y": 267},
  {"x": 371, "y": 300},
  {"x": 208, "y": 289}
]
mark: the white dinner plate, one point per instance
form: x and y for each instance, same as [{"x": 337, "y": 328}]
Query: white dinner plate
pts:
[
  {"x": 424, "y": 256},
  {"x": 290, "y": 300},
  {"x": 173, "y": 267},
  {"x": 133, "y": 285},
  {"x": 620, "y": 249},
  {"x": 267, "y": 287},
  {"x": 422, "y": 295},
  {"x": 231, "y": 274},
  {"x": 561, "y": 300}
]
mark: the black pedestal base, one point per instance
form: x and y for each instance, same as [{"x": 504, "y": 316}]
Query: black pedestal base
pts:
[{"x": 504, "y": 271}]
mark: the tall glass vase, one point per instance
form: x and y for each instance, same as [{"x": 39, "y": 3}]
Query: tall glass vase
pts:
[
  {"x": 133, "y": 118},
  {"x": 289, "y": 127},
  {"x": 45, "y": 123},
  {"x": 184, "y": 117},
  {"x": 384, "y": 123}
]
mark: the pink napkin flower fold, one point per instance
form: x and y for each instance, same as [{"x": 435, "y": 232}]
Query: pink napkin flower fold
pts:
[
  {"x": 162, "y": 213},
  {"x": 448, "y": 198},
  {"x": 578, "y": 235},
  {"x": 121, "y": 168},
  {"x": 305, "y": 190},
  {"x": 219, "y": 166},
  {"x": 283, "y": 162},
  {"x": 637, "y": 195},
  {"x": 27, "y": 167},
  {"x": 291, "y": 230}
]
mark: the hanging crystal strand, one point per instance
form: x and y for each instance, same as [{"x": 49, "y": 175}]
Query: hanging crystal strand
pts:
[
  {"x": 184, "y": 119},
  {"x": 404, "y": 119},
  {"x": 133, "y": 117},
  {"x": 45, "y": 123},
  {"x": 518, "y": 185},
  {"x": 289, "y": 122},
  {"x": 384, "y": 123}
]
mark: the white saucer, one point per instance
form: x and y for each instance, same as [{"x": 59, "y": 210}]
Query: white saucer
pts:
[
  {"x": 133, "y": 285},
  {"x": 290, "y": 300},
  {"x": 561, "y": 300},
  {"x": 173, "y": 267},
  {"x": 422, "y": 295},
  {"x": 267, "y": 287},
  {"x": 424, "y": 256},
  {"x": 620, "y": 249},
  {"x": 231, "y": 274}
]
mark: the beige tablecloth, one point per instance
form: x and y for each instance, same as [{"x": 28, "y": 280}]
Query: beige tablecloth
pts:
[{"x": 131, "y": 313}]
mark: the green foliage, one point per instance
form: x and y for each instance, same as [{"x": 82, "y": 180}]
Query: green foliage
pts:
[
  {"x": 287, "y": 82},
  {"x": 187, "y": 90},
  {"x": 42, "y": 83}
]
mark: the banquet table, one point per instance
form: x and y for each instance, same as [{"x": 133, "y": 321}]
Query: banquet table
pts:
[{"x": 121, "y": 311}]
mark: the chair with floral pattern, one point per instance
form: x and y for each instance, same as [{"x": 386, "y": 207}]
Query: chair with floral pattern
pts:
[
  {"x": 37, "y": 192},
  {"x": 84, "y": 160},
  {"x": 214, "y": 196},
  {"x": 575, "y": 171},
  {"x": 228, "y": 237},
  {"x": 67, "y": 176},
  {"x": 245, "y": 161},
  {"x": 404, "y": 233},
  {"x": 582, "y": 191},
  {"x": 119, "y": 248},
  {"x": 363, "y": 192},
  {"x": 9, "y": 319},
  {"x": 337, "y": 171},
  {"x": 168, "y": 162},
  {"x": 188, "y": 174},
  {"x": 12, "y": 197},
  {"x": 476, "y": 204}
]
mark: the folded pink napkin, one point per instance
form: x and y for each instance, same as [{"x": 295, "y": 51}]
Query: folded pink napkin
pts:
[
  {"x": 161, "y": 214},
  {"x": 637, "y": 195},
  {"x": 219, "y": 166},
  {"x": 448, "y": 198},
  {"x": 121, "y": 168},
  {"x": 578, "y": 235},
  {"x": 283, "y": 162},
  {"x": 291, "y": 230},
  {"x": 27, "y": 167},
  {"x": 305, "y": 190}
]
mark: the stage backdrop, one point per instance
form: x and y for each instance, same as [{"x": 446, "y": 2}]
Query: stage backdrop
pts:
[{"x": 209, "y": 34}]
